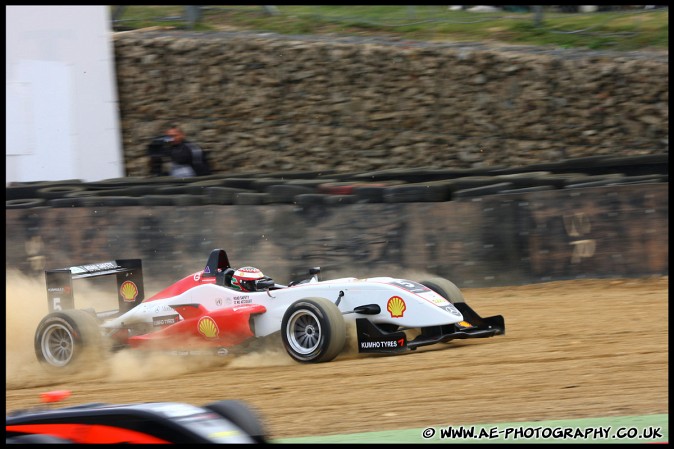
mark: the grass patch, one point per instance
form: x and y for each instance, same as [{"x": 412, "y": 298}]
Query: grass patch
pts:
[{"x": 622, "y": 30}]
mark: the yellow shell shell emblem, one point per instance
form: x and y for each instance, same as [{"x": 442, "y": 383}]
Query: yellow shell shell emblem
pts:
[
  {"x": 129, "y": 291},
  {"x": 396, "y": 307},
  {"x": 208, "y": 328}
]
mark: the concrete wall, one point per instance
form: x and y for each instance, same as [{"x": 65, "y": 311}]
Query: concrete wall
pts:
[
  {"x": 505, "y": 239},
  {"x": 262, "y": 102}
]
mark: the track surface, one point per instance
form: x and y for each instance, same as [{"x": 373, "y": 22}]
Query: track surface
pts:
[{"x": 574, "y": 349}]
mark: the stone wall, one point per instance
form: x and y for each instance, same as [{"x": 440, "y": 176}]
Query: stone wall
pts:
[
  {"x": 505, "y": 239},
  {"x": 271, "y": 103}
]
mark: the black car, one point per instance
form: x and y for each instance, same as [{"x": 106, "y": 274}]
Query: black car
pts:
[{"x": 226, "y": 421}]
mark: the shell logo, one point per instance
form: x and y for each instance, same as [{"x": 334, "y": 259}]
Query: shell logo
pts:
[
  {"x": 129, "y": 291},
  {"x": 396, "y": 306},
  {"x": 207, "y": 327}
]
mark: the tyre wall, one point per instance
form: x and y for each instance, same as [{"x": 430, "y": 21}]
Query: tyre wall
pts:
[
  {"x": 490, "y": 240},
  {"x": 265, "y": 102}
]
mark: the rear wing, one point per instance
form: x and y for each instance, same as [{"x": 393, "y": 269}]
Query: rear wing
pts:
[{"x": 130, "y": 289}]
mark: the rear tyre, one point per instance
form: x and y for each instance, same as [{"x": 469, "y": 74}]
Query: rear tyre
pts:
[
  {"x": 64, "y": 338},
  {"x": 242, "y": 416},
  {"x": 313, "y": 330}
]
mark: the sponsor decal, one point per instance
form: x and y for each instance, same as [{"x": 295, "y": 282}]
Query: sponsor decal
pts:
[
  {"x": 218, "y": 301},
  {"x": 94, "y": 267},
  {"x": 239, "y": 300},
  {"x": 207, "y": 327},
  {"x": 451, "y": 309},
  {"x": 396, "y": 306},
  {"x": 129, "y": 291},
  {"x": 464, "y": 324},
  {"x": 207, "y": 270},
  {"x": 162, "y": 309},
  {"x": 382, "y": 344},
  {"x": 439, "y": 300},
  {"x": 164, "y": 320},
  {"x": 197, "y": 276},
  {"x": 410, "y": 286}
]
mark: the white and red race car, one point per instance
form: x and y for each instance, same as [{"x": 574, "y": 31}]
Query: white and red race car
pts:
[{"x": 205, "y": 312}]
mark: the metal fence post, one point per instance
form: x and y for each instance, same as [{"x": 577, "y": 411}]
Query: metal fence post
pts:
[
  {"x": 193, "y": 15},
  {"x": 538, "y": 15}
]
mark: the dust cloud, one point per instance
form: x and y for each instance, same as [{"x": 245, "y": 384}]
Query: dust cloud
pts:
[{"x": 26, "y": 305}]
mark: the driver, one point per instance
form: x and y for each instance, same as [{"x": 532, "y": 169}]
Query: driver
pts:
[{"x": 244, "y": 278}]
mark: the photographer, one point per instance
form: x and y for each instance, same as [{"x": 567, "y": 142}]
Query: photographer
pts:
[{"x": 187, "y": 158}]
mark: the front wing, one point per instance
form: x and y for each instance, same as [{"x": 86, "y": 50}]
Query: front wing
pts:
[{"x": 371, "y": 338}]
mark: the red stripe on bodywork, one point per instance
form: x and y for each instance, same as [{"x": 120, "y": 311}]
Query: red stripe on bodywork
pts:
[{"x": 88, "y": 433}]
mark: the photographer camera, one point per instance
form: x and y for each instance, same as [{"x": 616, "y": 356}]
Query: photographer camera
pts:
[{"x": 159, "y": 151}]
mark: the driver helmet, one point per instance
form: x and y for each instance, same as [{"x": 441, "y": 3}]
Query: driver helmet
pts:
[{"x": 244, "y": 278}]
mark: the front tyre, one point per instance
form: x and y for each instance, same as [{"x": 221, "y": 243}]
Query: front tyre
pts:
[
  {"x": 313, "y": 330},
  {"x": 64, "y": 337},
  {"x": 444, "y": 288}
]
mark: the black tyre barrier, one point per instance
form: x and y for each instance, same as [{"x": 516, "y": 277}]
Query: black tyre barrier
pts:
[
  {"x": 109, "y": 201},
  {"x": 303, "y": 174},
  {"x": 250, "y": 198},
  {"x": 208, "y": 182},
  {"x": 311, "y": 183},
  {"x": 369, "y": 194},
  {"x": 24, "y": 203},
  {"x": 156, "y": 200},
  {"x": 285, "y": 193},
  {"x": 346, "y": 187},
  {"x": 308, "y": 199},
  {"x": 583, "y": 163},
  {"x": 188, "y": 200},
  {"x": 20, "y": 190},
  {"x": 612, "y": 181},
  {"x": 223, "y": 195},
  {"x": 239, "y": 183},
  {"x": 483, "y": 190},
  {"x": 559, "y": 180},
  {"x": 66, "y": 202},
  {"x": 641, "y": 179},
  {"x": 341, "y": 199},
  {"x": 413, "y": 193},
  {"x": 639, "y": 165},
  {"x": 183, "y": 189},
  {"x": 45, "y": 183},
  {"x": 414, "y": 175},
  {"x": 527, "y": 179},
  {"x": 470, "y": 182},
  {"x": 58, "y": 191},
  {"x": 261, "y": 184},
  {"x": 529, "y": 189},
  {"x": 81, "y": 194},
  {"x": 141, "y": 190}
]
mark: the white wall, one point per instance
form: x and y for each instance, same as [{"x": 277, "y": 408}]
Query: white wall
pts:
[{"x": 62, "y": 114}]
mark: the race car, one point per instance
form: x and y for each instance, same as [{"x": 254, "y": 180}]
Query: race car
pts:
[
  {"x": 220, "y": 310},
  {"x": 220, "y": 422}
]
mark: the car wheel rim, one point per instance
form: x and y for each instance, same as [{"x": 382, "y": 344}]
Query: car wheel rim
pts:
[
  {"x": 57, "y": 345},
  {"x": 304, "y": 332}
]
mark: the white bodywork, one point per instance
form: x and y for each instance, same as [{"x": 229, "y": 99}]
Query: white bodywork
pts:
[{"x": 405, "y": 303}]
